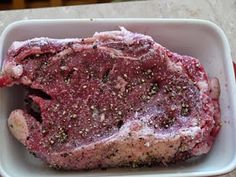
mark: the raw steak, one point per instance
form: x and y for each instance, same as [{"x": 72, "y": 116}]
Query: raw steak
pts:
[{"x": 115, "y": 99}]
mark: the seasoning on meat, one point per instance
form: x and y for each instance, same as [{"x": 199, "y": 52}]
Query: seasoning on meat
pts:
[{"x": 115, "y": 99}]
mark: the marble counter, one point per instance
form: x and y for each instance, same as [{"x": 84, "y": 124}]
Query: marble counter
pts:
[{"x": 223, "y": 13}]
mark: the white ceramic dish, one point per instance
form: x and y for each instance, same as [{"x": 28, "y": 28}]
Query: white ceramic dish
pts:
[{"x": 201, "y": 39}]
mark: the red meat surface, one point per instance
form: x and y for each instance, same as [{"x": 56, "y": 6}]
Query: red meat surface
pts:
[{"x": 117, "y": 98}]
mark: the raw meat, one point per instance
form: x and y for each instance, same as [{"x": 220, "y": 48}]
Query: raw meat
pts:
[{"x": 115, "y": 99}]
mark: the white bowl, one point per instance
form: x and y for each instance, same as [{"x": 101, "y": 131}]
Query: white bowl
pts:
[{"x": 198, "y": 38}]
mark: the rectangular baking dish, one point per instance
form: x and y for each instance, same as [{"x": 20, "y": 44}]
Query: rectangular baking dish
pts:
[{"x": 201, "y": 39}]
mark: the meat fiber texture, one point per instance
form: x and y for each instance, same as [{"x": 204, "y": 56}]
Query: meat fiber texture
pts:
[{"x": 115, "y": 99}]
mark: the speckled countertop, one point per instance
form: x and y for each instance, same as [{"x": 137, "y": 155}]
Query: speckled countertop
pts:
[{"x": 223, "y": 13}]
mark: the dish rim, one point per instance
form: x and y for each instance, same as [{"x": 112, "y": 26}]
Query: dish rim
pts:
[{"x": 226, "y": 50}]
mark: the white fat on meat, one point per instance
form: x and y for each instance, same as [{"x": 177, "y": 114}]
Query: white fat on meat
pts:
[{"x": 18, "y": 126}]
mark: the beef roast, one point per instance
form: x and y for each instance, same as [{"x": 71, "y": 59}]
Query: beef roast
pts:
[{"x": 115, "y": 99}]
